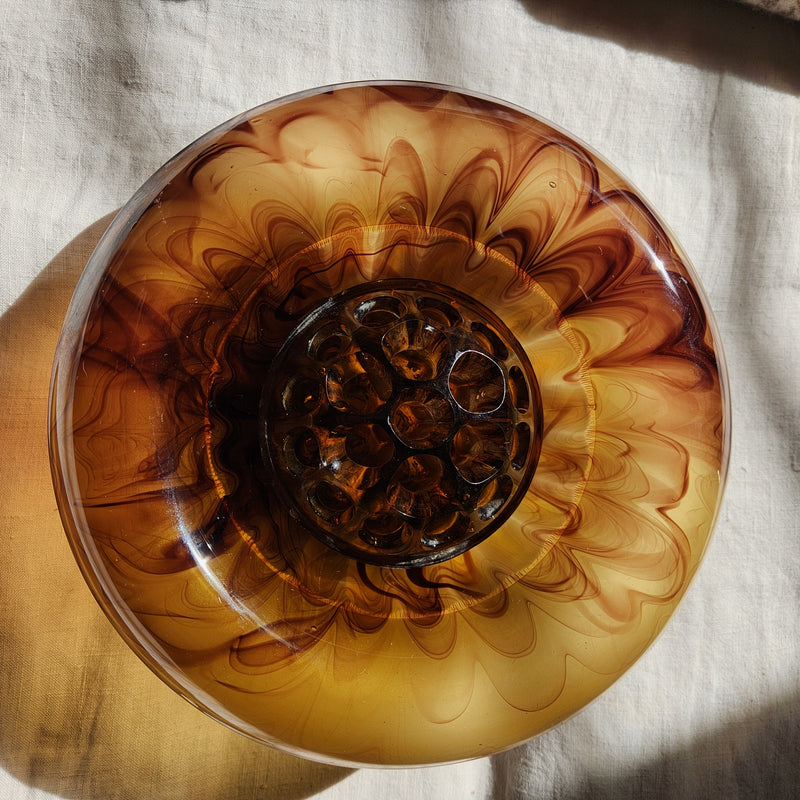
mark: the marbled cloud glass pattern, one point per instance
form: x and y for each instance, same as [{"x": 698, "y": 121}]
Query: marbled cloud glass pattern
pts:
[{"x": 192, "y": 446}]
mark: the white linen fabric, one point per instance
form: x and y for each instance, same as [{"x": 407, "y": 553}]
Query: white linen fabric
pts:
[{"x": 696, "y": 102}]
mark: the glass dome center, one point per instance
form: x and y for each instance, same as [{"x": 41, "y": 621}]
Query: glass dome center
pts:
[{"x": 402, "y": 422}]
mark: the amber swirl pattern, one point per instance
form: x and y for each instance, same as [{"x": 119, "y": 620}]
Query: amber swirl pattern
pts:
[{"x": 388, "y": 424}]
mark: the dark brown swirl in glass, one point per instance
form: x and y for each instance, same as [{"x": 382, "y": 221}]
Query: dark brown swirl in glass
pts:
[{"x": 388, "y": 424}]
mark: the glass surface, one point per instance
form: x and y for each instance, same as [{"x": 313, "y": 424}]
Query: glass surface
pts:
[{"x": 388, "y": 424}]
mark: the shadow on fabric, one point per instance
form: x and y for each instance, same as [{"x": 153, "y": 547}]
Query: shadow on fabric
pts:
[
  {"x": 756, "y": 755},
  {"x": 82, "y": 717},
  {"x": 718, "y": 35}
]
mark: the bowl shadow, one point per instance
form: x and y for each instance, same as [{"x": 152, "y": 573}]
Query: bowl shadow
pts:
[
  {"x": 751, "y": 755},
  {"x": 716, "y": 35},
  {"x": 80, "y": 715}
]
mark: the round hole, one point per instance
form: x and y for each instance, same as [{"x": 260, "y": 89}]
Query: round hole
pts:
[
  {"x": 421, "y": 417},
  {"x": 301, "y": 450},
  {"x": 330, "y": 503},
  {"x": 379, "y": 311},
  {"x": 489, "y": 340},
  {"x": 477, "y": 383},
  {"x": 450, "y": 526},
  {"x": 328, "y": 342},
  {"x": 384, "y": 531},
  {"x": 359, "y": 384},
  {"x": 301, "y": 395},
  {"x": 478, "y": 451},
  {"x": 520, "y": 445},
  {"x": 494, "y": 497},
  {"x": 438, "y": 311},
  {"x": 419, "y": 488},
  {"x": 369, "y": 445},
  {"x": 518, "y": 386},
  {"x": 415, "y": 349}
]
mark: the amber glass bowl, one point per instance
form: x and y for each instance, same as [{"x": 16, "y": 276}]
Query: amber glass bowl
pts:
[{"x": 388, "y": 424}]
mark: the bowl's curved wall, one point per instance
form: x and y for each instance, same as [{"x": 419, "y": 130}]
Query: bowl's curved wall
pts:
[{"x": 175, "y": 515}]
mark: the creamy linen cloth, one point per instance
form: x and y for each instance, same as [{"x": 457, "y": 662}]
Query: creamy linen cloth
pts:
[
  {"x": 696, "y": 102},
  {"x": 786, "y": 8}
]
